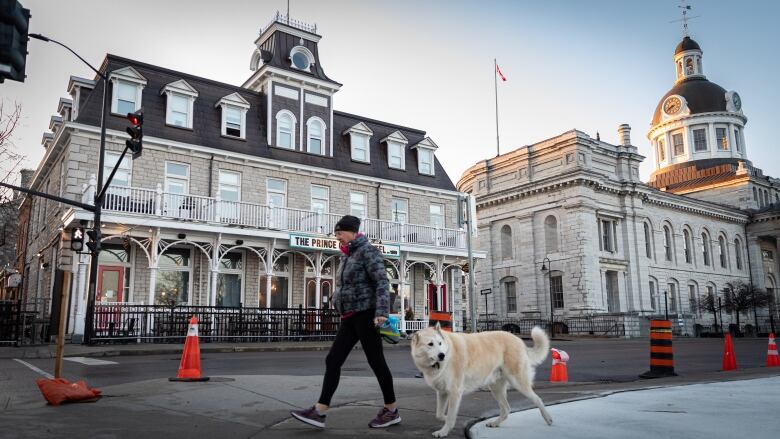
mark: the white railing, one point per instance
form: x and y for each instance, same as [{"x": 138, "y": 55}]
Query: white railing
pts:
[
  {"x": 130, "y": 200},
  {"x": 155, "y": 202},
  {"x": 414, "y": 325}
]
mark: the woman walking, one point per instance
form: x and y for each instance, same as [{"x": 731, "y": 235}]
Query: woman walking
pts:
[{"x": 362, "y": 299}]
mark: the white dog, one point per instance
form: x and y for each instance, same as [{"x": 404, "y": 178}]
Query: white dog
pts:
[{"x": 454, "y": 364}]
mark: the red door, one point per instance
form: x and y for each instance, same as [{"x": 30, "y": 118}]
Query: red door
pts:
[{"x": 110, "y": 284}]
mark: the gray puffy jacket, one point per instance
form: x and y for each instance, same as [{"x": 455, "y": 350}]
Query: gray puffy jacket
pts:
[{"x": 361, "y": 280}]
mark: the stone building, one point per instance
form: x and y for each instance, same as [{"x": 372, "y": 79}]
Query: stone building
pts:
[
  {"x": 236, "y": 194},
  {"x": 611, "y": 244}
]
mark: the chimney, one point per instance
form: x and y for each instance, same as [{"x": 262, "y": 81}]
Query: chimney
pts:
[
  {"x": 27, "y": 175},
  {"x": 624, "y": 134}
]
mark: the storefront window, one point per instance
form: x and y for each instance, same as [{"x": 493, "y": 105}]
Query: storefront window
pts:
[
  {"x": 229, "y": 280},
  {"x": 280, "y": 282},
  {"x": 173, "y": 277}
]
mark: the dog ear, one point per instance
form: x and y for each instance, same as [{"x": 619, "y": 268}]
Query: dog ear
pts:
[
  {"x": 438, "y": 328},
  {"x": 414, "y": 338}
]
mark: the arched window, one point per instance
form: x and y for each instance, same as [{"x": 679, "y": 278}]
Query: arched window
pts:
[
  {"x": 315, "y": 129},
  {"x": 738, "y": 253},
  {"x": 705, "y": 248},
  {"x": 687, "y": 246},
  {"x": 693, "y": 298},
  {"x": 654, "y": 304},
  {"x": 648, "y": 242},
  {"x": 285, "y": 129},
  {"x": 667, "y": 243},
  {"x": 551, "y": 234},
  {"x": 506, "y": 242},
  {"x": 509, "y": 288},
  {"x": 673, "y": 295},
  {"x": 722, "y": 251}
]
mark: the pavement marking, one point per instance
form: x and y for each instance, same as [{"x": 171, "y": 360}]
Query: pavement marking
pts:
[
  {"x": 89, "y": 361},
  {"x": 35, "y": 369}
]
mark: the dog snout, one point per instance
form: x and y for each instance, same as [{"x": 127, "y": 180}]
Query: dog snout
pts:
[{"x": 441, "y": 356}]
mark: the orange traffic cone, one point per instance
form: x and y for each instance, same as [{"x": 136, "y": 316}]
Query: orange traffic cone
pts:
[
  {"x": 772, "y": 359},
  {"x": 729, "y": 360},
  {"x": 189, "y": 368},
  {"x": 559, "y": 374}
]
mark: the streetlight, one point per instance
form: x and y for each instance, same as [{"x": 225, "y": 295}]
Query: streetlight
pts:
[
  {"x": 666, "y": 304},
  {"x": 549, "y": 282},
  {"x": 93, "y": 266}
]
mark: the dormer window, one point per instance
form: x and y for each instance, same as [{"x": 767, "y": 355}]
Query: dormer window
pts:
[
  {"x": 396, "y": 150},
  {"x": 425, "y": 159},
  {"x": 301, "y": 58},
  {"x": 395, "y": 155},
  {"x": 315, "y": 129},
  {"x": 180, "y": 98},
  {"x": 360, "y": 139},
  {"x": 234, "y": 109},
  {"x": 128, "y": 85},
  {"x": 285, "y": 129}
]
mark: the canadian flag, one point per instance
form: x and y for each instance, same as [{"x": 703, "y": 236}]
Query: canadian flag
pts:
[{"x": 500, "y": 75}]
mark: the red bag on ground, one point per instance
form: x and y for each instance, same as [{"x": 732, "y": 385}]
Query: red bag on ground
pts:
[{"x": 59, "y": 390}]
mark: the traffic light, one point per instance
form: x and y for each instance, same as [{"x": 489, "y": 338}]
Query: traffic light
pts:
[
  {"x": 14, "y": 20},
  {"x": 77, "y": 239},
  {"x": 94, "y": 241},
  {"x": 136, "y": 132}
]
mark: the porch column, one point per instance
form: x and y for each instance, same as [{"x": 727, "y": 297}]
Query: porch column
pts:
[
  {"x": 401, "y": 285},
  {"x": 439, "y": 281},
  {"x": 269, "y": 271},
  {"x": 80, "y": 304},
  {"x": 154, "y": 248},
  {"x": 317, "y": 277},
  {"x": 214, "y": 271}
]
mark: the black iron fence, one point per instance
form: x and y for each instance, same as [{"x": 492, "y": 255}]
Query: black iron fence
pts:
[
  {"x": 161, "y": 324},
  {"x": 596, "y": 325},
  {"x": 20, "y": 325}
]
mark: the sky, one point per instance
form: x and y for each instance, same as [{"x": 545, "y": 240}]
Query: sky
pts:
[{"x": 589, "y": 65}]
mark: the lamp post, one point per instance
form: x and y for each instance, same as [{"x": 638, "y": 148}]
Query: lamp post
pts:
[
  {"x": 720, "y": 313},
  {"x": 98, "y": 203},
  {"x": 548, "y": 269},
  {"x": 666, "y": 304},
  {"x": 485, "y": 292}
]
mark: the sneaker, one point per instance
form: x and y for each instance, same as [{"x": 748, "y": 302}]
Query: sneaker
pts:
[
  {"x": 309, "y": 416},
  {"x": 385, "y": 418}
]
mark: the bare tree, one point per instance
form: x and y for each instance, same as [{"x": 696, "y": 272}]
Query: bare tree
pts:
[
  {"x": 744, "y": 297},
  {"x": 10, "y": 160},
  {"x": 709, "y": 303}
]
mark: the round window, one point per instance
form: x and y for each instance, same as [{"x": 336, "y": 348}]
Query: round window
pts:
[{"x": 300, "y": 61}]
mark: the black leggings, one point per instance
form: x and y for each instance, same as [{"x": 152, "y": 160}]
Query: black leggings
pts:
[{"x": 359, "y": 327}]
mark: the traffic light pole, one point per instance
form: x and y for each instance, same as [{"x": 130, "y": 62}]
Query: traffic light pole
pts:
[
  {"x": 89, "y": 326},
  {"x": 98, "y": 205}
]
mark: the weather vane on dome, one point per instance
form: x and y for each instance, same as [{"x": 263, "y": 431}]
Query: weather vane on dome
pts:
[{"x": 685, "y": 8}]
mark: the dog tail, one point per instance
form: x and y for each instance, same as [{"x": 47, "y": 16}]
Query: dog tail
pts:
[{"x": 538, "y": 353}]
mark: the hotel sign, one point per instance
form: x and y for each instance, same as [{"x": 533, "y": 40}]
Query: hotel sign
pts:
[{"x": 332, "y": 245}]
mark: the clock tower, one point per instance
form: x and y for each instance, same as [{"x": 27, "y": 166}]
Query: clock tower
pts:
[{"x": 697, "y": 121}]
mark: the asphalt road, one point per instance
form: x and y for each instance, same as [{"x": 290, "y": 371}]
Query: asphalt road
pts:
[
  {"x": 591, "y": 361},
  {"x": 251, "y": 393}
]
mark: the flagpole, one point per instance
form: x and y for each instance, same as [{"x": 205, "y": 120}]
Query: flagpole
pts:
[{"x": 495, "y": 85}]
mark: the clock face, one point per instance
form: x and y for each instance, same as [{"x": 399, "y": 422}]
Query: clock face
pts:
[
  {"x": 672, "y": 105},
  {"x": 737, "y": 101}
]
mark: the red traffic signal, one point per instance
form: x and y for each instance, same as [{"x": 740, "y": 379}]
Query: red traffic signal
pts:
[
  {"x": 136, "y": 118},
  {"x": 136, "y": 132}
]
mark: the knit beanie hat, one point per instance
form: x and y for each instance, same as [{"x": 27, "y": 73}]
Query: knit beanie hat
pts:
[{"x": 348, "y": 223}]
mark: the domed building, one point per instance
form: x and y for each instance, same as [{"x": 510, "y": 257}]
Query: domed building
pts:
[{"x": 571, "y": 231}]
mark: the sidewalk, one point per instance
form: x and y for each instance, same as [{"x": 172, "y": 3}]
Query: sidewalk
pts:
[
  {"x": 744, "y": 408},
  {"x": 114, "y": 350}
]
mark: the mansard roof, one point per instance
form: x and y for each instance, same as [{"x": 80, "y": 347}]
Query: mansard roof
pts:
[{"x": 207, "y": 121}]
